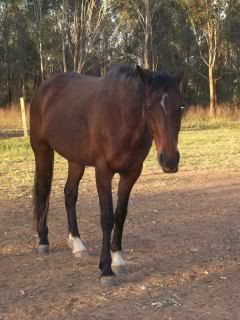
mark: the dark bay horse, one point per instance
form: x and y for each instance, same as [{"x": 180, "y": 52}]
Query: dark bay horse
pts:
[{"x": 108, "y": 123}]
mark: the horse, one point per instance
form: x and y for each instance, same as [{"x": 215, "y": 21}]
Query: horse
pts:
[{"x": 108, "y": 123}]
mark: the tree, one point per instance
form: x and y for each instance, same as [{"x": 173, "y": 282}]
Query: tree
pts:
[
  {"x": 64, "y": 31},
  {"x": 207, "y": 18},
  {"x": 17, "y": 54},
  {"x": 39, "y": 38},
  {"x": 231, "y": 85},
  {"x": 85, "y": 23},
  {"x": 38, "y": 17},
  {"x": 146, "y": 10}
]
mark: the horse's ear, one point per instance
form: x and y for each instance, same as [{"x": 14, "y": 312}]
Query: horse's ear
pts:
[
  {"x": 144, "y": 74},
  {"x": 179, "y": 77}
]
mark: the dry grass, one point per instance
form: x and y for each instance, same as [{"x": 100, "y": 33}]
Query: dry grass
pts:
[
  {"x": 199, "y": 118},
  {"x": 195, "y": 118},
  {"x": 10, "y": 118},
  {"x": 223, "y": 111}
]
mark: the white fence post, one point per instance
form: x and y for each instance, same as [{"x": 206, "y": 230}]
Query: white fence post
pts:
[{"x": 24, "y": 120}]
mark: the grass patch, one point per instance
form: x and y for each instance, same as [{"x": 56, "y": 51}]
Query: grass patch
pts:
[
  {"x": 195, "y": 118},
  {"x": 15, "y": 148},
  {"x": 209, "y": 149},
  {"x": 198, "y": 118},
  {"x": 11, "y": 119},
  {"x": 17, "y": 169}
]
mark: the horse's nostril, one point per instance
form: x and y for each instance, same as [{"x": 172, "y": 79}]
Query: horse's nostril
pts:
[
  {"x": 169, "y": 164},
  {"x": 161, "y": 158},
  {"x": 178, "y": 157}
]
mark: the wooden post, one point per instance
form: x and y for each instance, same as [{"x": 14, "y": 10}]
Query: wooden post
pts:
[{"x": 24, "y": 120}]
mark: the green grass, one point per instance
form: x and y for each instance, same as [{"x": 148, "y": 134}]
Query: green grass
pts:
[
  {"x": 206, "y": 149},
  {"x": 209, "y": 124},
  {"x": 17, "y": 168},
  {"x": 209, "y": 149}
]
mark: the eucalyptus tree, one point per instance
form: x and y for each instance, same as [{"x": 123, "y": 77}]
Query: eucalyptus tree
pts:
[
  {"x": 84, "y": 21},
  {"x": 145, "y": 11},
  {"x": 17, "y": 53},
  {"x": 230, "y": 87},
  {"x": 207, "y": 18}
]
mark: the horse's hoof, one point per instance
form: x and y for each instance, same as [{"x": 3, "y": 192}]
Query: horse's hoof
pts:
[
  {"x": 43, "y": 249},
  {"x": 109, "y": 281},
  {"x": 122, "y": 270},
  {"x": 81, "y": 254},
  {"x": 77, "y": 246}
]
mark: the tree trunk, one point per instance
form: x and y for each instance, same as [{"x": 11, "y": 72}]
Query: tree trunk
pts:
[
  {"x": 82, "y": 34},
  {"x": 75, "y": 37},
  {"x": 35, "y": 78},
  {"x": 9, "y": 82},
  {"x": 41, "y": 58},
  {"x": 38, "y": 15},
  {"x": 147, "y": 35},
  {"x": 64, "y": 56},
  {"x": 212, "y": 91},
  {"x": 64, "y": 36}
]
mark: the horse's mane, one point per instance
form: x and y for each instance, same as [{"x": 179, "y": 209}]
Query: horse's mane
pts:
[
  {"x": 162, "y": 80},
  {"x": 159, "y": 80}
]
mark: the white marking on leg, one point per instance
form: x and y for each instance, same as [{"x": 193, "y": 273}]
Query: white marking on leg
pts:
[
  {"x": 117, "y": 259},
  {"x": 76, "y": 244},
  {"x": 162, "y": 102}
]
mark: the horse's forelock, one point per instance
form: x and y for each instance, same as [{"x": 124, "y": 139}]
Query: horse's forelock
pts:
[{"x": 163, "y": 81}]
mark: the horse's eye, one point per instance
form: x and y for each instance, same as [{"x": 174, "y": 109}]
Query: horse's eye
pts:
[{"x": 181, "y": 108}]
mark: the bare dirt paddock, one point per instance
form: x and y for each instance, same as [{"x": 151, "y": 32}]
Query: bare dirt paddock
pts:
[{"x": 181, "y": 241}]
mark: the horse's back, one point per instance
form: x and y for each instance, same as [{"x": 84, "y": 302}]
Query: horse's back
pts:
[
  {"x": 59, "y": 111},
  {"x": 60, "y": 89}
]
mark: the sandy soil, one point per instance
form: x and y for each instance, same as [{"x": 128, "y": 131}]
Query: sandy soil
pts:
[{"x": 181, "y": 242}]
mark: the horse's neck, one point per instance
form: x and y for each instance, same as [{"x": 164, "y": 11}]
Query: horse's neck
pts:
[
  {"x": 125, "y": 109},
  {"x": 133, "y": 123}
]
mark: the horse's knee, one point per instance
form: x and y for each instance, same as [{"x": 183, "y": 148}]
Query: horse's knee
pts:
[
  {"x": 70, "y": 197},
  {"x": 107, "y": 223},
  {"x": 120, "y": 216}
]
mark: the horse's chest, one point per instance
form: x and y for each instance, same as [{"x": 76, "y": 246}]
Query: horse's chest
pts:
[{"x": 125, "y": 156}]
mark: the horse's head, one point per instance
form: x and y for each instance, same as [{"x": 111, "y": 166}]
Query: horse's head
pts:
[{"x": 163, "y": 111}]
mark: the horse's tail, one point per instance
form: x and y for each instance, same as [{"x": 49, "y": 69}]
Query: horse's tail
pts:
[{"x": 44, "y": 159}]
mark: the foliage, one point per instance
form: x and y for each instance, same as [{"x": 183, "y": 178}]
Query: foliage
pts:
[{"x": 39, "y": 38}]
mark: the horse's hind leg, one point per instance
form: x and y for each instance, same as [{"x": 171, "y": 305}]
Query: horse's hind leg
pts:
[
  {"x": 103, "y": 181},
  {"x": 75, "y": 173},
  {"x": 127, "y": 181},
  {"x": 42, "y": 187}
]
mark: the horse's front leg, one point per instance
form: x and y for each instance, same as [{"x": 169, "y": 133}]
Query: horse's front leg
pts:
[
  {"x": 104, "y": 187},
  {"x": 127, "y": 181},
  {"x": 75, "y": 173}
]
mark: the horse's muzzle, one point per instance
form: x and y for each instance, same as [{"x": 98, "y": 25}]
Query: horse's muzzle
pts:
[{"x": 169, "y": 165}]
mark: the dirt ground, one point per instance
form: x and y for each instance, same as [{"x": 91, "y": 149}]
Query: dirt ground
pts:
[{"x": 181, "y": 242}]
